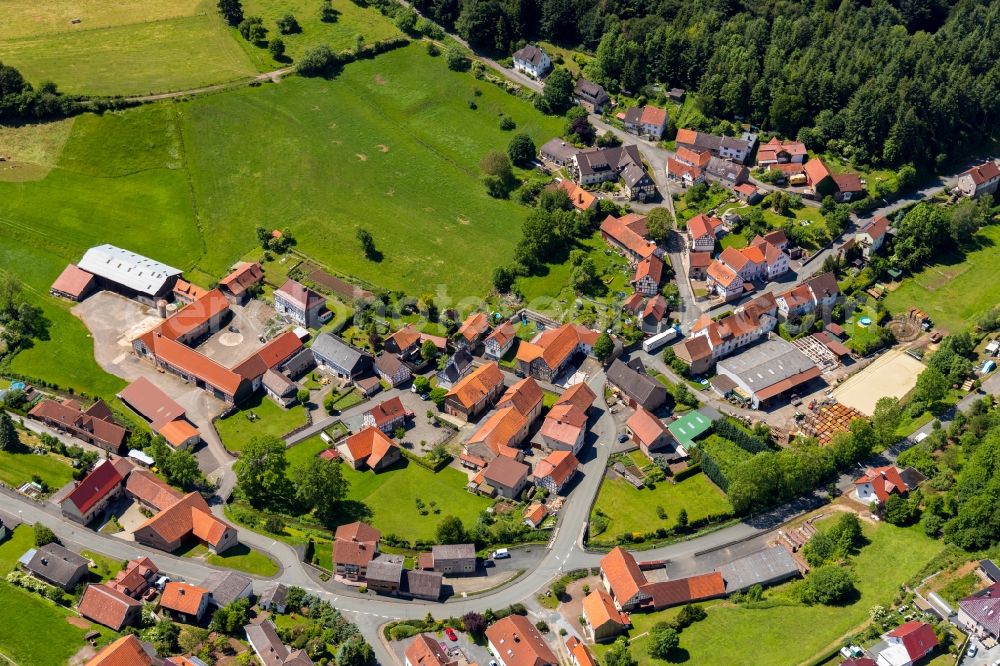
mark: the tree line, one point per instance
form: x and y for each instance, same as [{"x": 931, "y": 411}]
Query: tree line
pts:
[
  {"x": 767, "y": 477},
  {"x": 882, "y": 83}
]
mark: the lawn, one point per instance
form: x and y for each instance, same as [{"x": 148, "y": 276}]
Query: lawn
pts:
[
  {"x": 732, "y": 632},
  {"x": 18, "y": 468},
  {"x": 14, "y": 547},
  {"x": 105, "y": 568},
  {"x": 236, "y": 430},
  {"x": 244, "y": 559},
  {"x": 308, "y": 449},
  {"x": 352, "y": 20},
  {"x": 956, "y": 291},
  {"x": 122, "y": 48},
  {"x": 855, "y": 330},
  {"x": 26, "y": 617},
  {"x": 552, "y": 291},
  {"x": 632, "y": 510},
  {"x": 392, "y": 495}
]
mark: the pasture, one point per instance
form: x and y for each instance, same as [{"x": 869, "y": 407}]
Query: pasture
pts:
[
  {"x": 390, "y": 145},
  {"x": 126, "y": 48},
  {"x": 119, "y": 171},
  {"x": 956, "y": 291}
]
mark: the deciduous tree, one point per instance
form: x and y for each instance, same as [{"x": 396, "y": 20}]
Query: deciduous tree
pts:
[{"x": 260, "y": 470}]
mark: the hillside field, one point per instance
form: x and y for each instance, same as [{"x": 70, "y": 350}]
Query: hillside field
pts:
[
  {"x": 121, "y": 48},
  {"x": 956, "y": 291},
  {"x": 390, "y": 145}
]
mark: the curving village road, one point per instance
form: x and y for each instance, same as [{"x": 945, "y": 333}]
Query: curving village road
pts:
[{"x": 565, "y": 551}]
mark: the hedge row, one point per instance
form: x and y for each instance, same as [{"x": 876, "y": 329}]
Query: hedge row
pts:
[{"x": 740, "y": 436}]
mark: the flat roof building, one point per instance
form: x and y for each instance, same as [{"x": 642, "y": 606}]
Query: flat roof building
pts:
[{"x": 768, "y": 370}]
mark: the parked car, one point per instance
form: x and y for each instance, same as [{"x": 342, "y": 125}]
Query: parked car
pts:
[
  {"x": 622, "y": 438},
  {"x": 500, "y": 554},
  {"x": 450, "y": 633},
  {"x": 973, "y": 649}
]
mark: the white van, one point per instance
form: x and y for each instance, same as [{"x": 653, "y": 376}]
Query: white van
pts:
[{"x": 500, "y": 554}]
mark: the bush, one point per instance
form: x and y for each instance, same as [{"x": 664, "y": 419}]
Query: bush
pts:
[
  {"x": 317, "y": 61},
  {"x": 43, "y": 535},
  {"x": 663, "y": 640},
  {"x": 456, "y": 59},
  {"x": 828, "y": 585},
  {"x": 507, "y": 123},
  {"x": 433, "y": 50}
]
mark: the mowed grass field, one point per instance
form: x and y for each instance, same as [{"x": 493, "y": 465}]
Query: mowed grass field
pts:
[
  {"x": 18, "y": 468},
  {"x": 125, "y": 48},
  {"x": 27, "y": 619},
  {"x": 236, "y": 430},
  {"x": 957, "y": 291},
  {"x": 392, "y": 495},
  {"x": 731, "y": 634},
  {"x": 632, "y": 510},
  {"x": 352, "y": 20},
  {"x": 390, "y": 145}
]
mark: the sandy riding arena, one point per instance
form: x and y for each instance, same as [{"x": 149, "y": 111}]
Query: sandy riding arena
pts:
[{"x": 894, "y": 374}]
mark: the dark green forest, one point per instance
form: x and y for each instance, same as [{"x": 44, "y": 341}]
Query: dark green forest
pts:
[{"x": 884, "y": 82}]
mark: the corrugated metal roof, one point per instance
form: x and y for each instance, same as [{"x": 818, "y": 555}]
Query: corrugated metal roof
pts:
[{"x": 127, "y": 268}]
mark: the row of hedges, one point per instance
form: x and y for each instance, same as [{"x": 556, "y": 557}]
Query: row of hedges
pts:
[
  {"x": 740, "y": 436},
  {"x": 719, "y": 457},
  {"x": 661, "y": 534},
  {"x": 322, "y": 61},
  {"x": 434, "y": 466}
]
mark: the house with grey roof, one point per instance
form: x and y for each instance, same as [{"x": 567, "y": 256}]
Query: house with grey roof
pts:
[
  {"x": 225, "y": 587},
  {"x": 280, "y": 388},
  {"x": 55, "y": 565},
  {"x": 274, "y": 598},
  {"x": 129, "y": 274},
  {"x": 267, "y": 645},
  {"x": 454, "y": 559},
  {"x": 638, "y": 387},
  {"x": 766, "y": 371},
  {"x": 458, "y": 365},
  {"x": 599, "y": 165},
  {"x": 424, "y": 584},
  {"x": 532, "y": 61},
  {"x": 558, "y": 151},
  {"x": 590, "y": 96},
  {"x": 385, "y": 574},
  {"x": 335, "y": 355}
]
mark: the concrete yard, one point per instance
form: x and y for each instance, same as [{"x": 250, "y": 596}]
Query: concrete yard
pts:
[
  {"x": 240, "y": 336},
  {"x": 894, "y": 374}
]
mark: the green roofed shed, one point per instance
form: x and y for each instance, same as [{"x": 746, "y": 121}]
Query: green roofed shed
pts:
[{"x": 690, "y": 427}]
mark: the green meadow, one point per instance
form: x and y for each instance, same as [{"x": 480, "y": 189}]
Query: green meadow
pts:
[{"x": 122, "y": 48}]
